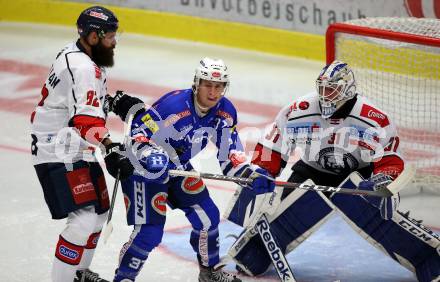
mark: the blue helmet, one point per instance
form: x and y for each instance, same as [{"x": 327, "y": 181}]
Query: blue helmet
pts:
[{"x": 97, "y": 19}]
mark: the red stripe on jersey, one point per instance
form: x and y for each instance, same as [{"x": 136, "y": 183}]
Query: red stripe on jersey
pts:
[
  {"x": 268, "y": 159},
  {"x": 68, "y": 253},
  {"x": 93, "y": 240},
  {"x": 91, "y": 128},
  {"x": 389, "y": 165}
]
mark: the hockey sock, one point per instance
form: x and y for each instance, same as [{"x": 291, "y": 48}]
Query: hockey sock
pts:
[{"x": 66, "y": 261}]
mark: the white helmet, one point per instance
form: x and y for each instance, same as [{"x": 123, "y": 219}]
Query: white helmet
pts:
[
  {"x": 212, "y": 70},
  {"x": 335, "y": 85}
]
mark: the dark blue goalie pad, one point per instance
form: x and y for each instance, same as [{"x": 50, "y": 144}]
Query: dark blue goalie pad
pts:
[
  {"x": 404, "y": 239},
  {"x": 292, "y": 223}
]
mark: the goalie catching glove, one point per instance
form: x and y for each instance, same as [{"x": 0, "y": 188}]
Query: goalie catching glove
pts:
[
  {"x": 386, "y": 205},
  {"x": 262, "y": 181}
]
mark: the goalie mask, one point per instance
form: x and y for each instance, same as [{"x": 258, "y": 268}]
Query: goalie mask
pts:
[
  {"x": 335, "y": 85},
  {"x": 211, "y": 70}
]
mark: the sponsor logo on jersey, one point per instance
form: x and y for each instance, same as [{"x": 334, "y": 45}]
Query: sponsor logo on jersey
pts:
[
  {"x": 304, "y": 105},
  {"x": 274, "y": 250},
  {"x": 172, "y": 119},
  {"x": 374, "y": 114},
  {"x": 98, "y": 15},
  {"x": 150, "y": 123},
  {"x": 139, "y": 138},
  {"x": 191, "y": 185},
  {"x": 337, "y": 160},
  {"x": 127, "y": 202},
  {"x": 159, "y": 203},
  {"x": 301, "y": 128},
  {"x": 226, "y": 116},
  {"x": 68, "y": 252}
]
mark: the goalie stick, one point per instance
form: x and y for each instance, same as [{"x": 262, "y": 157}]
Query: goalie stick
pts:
[
  {"x": 109, "y": 226},
  {"x": 398, "y": 184}
]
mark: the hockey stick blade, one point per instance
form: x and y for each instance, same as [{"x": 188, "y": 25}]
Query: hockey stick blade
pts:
[{"x": 290, "y": 185}]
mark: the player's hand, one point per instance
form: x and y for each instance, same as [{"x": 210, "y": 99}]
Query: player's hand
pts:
[
  {"x": 156, "y": 162},
  {"x": 115, "y": 160},
  {"x": 122, "y": 104},
  {"x": 386, "y": 205},
  {"x": 261, "y": 183}
]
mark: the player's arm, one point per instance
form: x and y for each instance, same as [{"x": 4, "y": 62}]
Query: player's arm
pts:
[
  {"x": 233, "y": 161},
  {"x": 88, "y": 117},
  {"x": 386, "y": 167},
  {"x": 272, "y": 150}
]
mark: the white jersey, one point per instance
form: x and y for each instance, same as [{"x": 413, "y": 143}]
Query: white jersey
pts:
[
  {"x": 75, "y": 86},
  {"x": 335, "y": 146}
]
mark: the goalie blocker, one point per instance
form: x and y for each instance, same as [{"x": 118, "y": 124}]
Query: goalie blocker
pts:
[{"x": 404, "y": 239}]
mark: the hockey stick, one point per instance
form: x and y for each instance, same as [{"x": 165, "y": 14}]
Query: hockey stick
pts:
[
  {"x": 404, "y": 178},
  {"x": 109, "y": 226}
]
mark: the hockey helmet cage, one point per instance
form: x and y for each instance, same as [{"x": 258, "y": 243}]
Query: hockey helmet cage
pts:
[{"x": 335, "y": 85}]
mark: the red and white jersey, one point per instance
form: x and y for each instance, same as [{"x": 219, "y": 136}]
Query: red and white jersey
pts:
[
  {"x": 72, "y": 101},
  {"x": 337, "y": 146}
]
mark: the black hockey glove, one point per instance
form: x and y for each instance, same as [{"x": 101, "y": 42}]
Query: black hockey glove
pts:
[
  {"x": 115, "y": 161},
  {"x": 122, "y": 104}
]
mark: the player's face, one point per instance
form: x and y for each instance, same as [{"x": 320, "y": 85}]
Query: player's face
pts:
[
  {"x": 209, "y": 93},
  {"x": 102, "y": 52}
]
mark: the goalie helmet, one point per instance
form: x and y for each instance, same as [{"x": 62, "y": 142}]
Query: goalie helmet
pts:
[
  {"x": 212, "y": 70},
  {"x": 97, "y": 19},
  {"x": 335, "y": 86}
]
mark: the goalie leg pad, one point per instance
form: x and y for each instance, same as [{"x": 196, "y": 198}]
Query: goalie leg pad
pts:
[
  {"x": 402, "y": 238},
  {"x": 290, "y": 225}
]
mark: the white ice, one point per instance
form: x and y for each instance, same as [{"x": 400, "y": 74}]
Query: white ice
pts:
[{"x": 148, "y": 67}]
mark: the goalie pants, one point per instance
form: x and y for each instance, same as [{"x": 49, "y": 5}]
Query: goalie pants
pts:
[
  {"x": 402, "y": 238},
  {"x": 146, "y": 210}
]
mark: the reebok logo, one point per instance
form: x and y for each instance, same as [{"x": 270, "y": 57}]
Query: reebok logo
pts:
[{"x": 278, "y": 259}]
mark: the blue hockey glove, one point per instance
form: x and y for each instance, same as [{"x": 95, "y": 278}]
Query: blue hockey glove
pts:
[
  {"x": 386, "y": 205},
  {"x": 262, "y": 182},
  {"x": 156, "y": 164}
]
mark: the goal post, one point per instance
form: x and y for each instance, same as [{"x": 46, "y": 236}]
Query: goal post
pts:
[{"x": 396, "y": 63}]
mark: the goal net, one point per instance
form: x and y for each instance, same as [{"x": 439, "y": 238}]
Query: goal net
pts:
[{"x": 396, "y": 62}]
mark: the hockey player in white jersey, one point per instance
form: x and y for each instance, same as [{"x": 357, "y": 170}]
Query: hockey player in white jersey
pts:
[
  {"x": 338, "y": 132},
  {"x": 67, "y": 126}
]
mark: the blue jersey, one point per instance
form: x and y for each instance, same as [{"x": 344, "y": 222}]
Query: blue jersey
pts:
[{"x": 172, "y": 123}]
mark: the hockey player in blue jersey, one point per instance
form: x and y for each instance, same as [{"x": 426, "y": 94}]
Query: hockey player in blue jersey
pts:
[
  {"x": 339, "y": 132},
  {"x": 167, "y": 136}
]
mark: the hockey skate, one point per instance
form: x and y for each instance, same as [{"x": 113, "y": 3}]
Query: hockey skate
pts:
[
  {"x": 209, "y": 274},
  {"x": 87, "y": 275}
]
